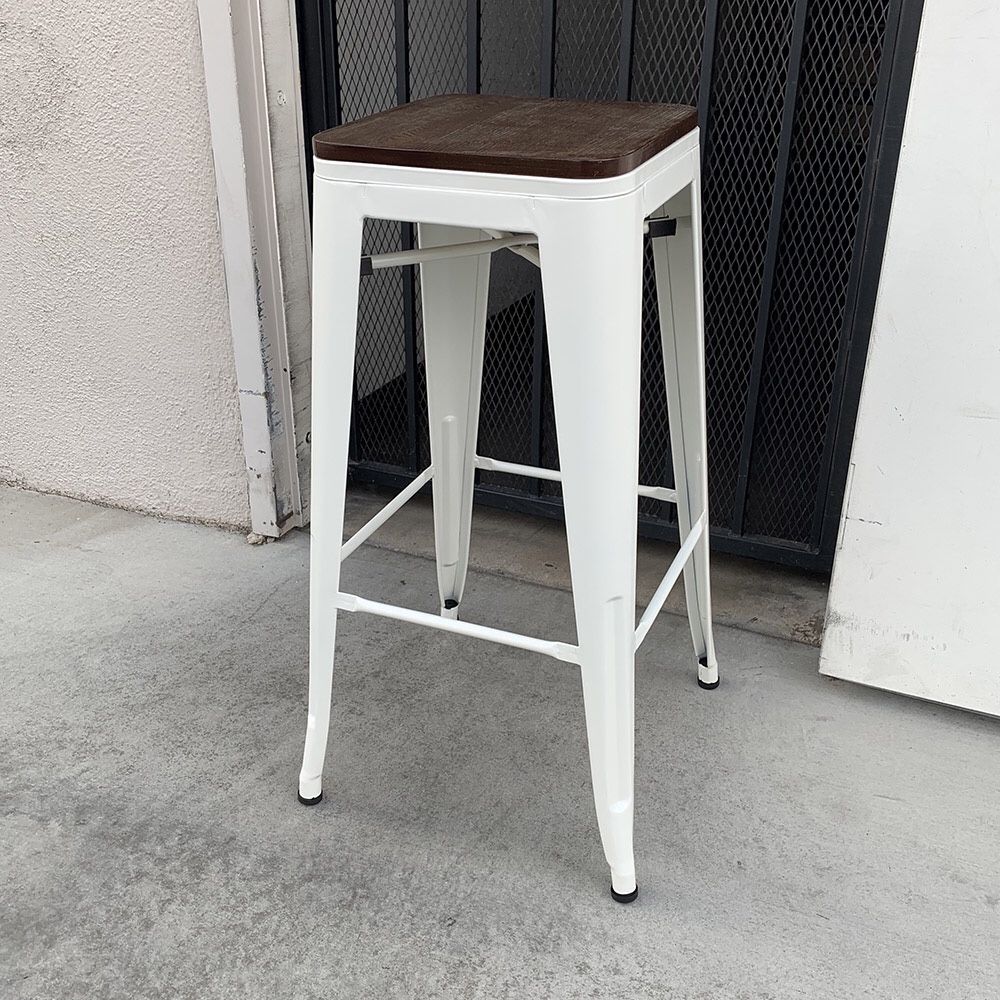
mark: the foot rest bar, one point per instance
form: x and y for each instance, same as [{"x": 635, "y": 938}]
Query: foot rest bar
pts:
[
  {"x": 653, "y": 228},
  {"x": 386, "y": 512},
  {"x": 401, "y": 258},
  {"x": 523, "y": 244},
  {"x": 674, "y": 570},
  {"x": 495, "y": 465},
  {"x": 560, "y": 650},
  {"x": 555, "y": 476}
]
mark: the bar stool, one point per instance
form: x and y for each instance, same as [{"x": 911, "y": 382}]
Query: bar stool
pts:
[{"x": 575, "y": 187}]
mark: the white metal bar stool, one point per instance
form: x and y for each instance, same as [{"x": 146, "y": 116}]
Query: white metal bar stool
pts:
[{"x": 575, "y": 187}]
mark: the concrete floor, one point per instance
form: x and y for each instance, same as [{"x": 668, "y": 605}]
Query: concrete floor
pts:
[{"x": 796, "y": 836}]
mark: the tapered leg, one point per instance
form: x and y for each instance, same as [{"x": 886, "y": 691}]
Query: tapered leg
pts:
[
  {"x": 591, "y": 254},
  {"x": 336, "y": 261},
  {"x": 454, "y": 295},
  {"x": 679, "y": 293}
]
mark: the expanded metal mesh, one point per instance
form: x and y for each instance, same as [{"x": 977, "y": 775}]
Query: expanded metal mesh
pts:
[
  {"x": 436, "y": 64},
  {"x": 366, "y": 34},
  {"x": 506, "y": 426},
  {"x": 783, "y": 189},
  {"x": 666, "y": 67},
  {"x": 669, "y": 40},
  {"x": 510, "y": 63},
  {"x": 840, "y": 65},
  {"x": 739, "y": 172},
  {"x": 587, "y": 37},
  {"x": 437, "y": 38},
  {"x": 509, "y": 47}
]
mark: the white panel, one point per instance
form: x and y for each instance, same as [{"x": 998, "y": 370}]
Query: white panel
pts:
[{"x": 915, "y": 598}]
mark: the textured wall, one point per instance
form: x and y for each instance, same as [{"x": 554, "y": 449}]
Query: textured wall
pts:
[{"x": 116, "y": 370}]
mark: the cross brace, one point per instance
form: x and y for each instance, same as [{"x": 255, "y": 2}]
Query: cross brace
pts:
[
  {"x": 522, "y": 243},
  {"x": 559, "y": 650}
]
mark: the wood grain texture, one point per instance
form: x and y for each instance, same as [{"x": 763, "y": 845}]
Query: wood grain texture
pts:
[{"x": 542, "y": 137}]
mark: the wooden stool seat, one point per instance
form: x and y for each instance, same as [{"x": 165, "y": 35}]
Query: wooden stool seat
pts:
[{"x": 540, "y": 137}]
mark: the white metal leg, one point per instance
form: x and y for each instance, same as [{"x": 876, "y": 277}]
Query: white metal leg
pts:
[
  {"x": 336, "y": 249},
  {"x": 591, "y": 257},
  {"x": 679, "y": 294},
  {"x": 454, "y": 293}
]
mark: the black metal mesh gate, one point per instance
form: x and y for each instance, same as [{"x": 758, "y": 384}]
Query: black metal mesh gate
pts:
[{"x": 800, "y": 103}]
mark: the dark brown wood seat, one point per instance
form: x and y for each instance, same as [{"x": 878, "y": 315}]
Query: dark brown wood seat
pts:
[{"x": 511, "y": 135}]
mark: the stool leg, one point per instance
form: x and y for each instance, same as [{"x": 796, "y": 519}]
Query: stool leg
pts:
[
  {"x": 677, "y": 262},
  {"x": 591, "y": 258},
  {"x": 336, "y": 257},
  {"x": 453, "y": 293}
]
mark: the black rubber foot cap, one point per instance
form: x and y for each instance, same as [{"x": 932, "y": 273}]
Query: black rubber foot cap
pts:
[
  {"x": 702, "y": 684},
  {"x": 624, "y": 897},
  {"x": 310, "y": 802}
]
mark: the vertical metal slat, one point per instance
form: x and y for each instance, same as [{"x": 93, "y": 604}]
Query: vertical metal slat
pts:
[
  {"x": 537, "y": 384},
  {"x": 331, "y": 62},
  {"x": 546, "y": 88},
  {"x": 406, "y": 241},
  {"x": 770, "y": 258},
  {"x": 627, "y": 47},
  {"x": 885, "y": 142},
  {"x": 547, "y": 61},
  {"x": 705, "y": 78},
  {"x": 472, "y": 46}
]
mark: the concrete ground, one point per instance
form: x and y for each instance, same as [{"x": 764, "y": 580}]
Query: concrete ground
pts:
[{"x": 795, "y": 836}]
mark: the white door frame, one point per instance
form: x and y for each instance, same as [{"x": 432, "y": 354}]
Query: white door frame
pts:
[{"x": 243, "y": 45}]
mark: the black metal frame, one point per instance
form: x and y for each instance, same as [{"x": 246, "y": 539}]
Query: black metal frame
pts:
[
  {"x": 321, "y": 81},
  {"x": 627, "y": 45},
  {"x": 320, "y": 65},
  {"x": 407, "y": 243},
  {"x": 547, "y": 63},
  {"x": 887, "y": 133},
  {"x": 771, "y": 258}
]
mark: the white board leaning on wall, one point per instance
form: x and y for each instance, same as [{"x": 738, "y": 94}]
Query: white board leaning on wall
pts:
[{"x": 915, "y": 597}]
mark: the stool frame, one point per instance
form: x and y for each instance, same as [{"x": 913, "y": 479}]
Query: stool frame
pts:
[{"x": 587, "y": 235}]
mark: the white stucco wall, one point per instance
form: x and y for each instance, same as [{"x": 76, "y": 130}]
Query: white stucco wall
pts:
[
  {"x": 116, "y": 370},
  {"x": 915, "y": 597}
]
